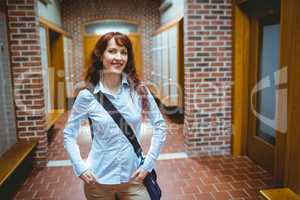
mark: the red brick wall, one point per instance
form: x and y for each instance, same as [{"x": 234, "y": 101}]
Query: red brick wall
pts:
[
  {"x": 23, "y": 28},
  {"x": 207, "y": 46},
  {"x": 76, "y": 13}
]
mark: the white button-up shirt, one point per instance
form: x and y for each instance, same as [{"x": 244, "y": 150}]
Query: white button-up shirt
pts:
[{"x": 112, "y": 157}]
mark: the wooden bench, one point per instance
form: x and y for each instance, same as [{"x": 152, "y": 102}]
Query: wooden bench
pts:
[
  {"x": 279, "y": 194},
  {"x": 52, "y": 117},
  {"x": 14, "y": 164}
]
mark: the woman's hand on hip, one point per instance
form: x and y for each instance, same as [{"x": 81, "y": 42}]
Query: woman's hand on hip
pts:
[
  {"x": 139, "y": 175},
  {"x": 88, "y": 177}
]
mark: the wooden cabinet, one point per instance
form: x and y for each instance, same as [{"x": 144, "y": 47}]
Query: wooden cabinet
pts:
[{"x": 167, "y": 55}]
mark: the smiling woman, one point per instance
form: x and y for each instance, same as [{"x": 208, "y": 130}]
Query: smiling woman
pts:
[
  {"x": 114, "y": 52},
  {"x": 113, "y": 166}
]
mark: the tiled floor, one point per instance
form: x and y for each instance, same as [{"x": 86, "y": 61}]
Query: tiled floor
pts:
[{"x": 205, "y": 178}]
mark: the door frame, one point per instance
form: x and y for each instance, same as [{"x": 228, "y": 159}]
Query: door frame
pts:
[
  {"x": 241, "y": 68},
  {"x": 257, "y": 148}
]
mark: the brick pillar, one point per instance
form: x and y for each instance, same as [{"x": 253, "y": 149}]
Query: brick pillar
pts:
[
  {"x": 207, "y": 45},
  {"x": 23, "y": 28}
]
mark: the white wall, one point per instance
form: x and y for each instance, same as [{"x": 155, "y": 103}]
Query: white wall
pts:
[
  {"x": 174, "y": 12},
  {"x": 8, "y": 131},
  {"x": 51, "y": 12}
]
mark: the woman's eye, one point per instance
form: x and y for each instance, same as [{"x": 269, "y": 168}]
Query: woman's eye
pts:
[
  {"x": 124, "y": 52},
  {"x": 112, "y": 51}
]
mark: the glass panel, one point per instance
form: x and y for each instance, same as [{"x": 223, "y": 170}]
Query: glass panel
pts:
[
  {"x": 165, "y": 69},
  {"x": 68, "y": 65},
  {"x": 103, "y": 27},
  {"x": 173, "y": 65},
  {"x": 159, "y": 64},
  {"x": 44, "y": 60},
  {"x": 266, "y": 97}
]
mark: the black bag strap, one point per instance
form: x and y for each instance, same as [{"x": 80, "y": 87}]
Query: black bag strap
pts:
[{"x": 119, "y": 119}]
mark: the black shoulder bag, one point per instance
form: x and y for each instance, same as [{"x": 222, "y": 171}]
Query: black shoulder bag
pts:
[{"x": 150, "y": 180}]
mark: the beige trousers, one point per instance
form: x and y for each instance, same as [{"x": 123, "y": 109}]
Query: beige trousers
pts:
[{"x": 126, "y": 191}]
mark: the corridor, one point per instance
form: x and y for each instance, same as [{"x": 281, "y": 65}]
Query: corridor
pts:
[
  {"x": 180, "y": 177},
  {"x": 229, "y": 67}
]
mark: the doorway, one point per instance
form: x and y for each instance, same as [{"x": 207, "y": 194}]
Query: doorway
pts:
[
  {"x": 262, "y": 80},
  {"x": 260, "y": 85}
]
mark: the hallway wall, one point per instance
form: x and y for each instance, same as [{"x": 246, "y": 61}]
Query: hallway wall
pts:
[
  {"x": 174, "y": 12},
  {"x": 207, "y": 58},
  {"x": 50, "y": 12},
  {"x": 7, "y": 110},
  {"x": 76, "y": 13}
]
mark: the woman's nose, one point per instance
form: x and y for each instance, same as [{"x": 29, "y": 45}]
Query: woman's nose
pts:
[{"x": 118, "y": 56}]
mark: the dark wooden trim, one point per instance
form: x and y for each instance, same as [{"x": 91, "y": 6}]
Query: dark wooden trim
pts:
[
  {"x": 240, "y": 77},
  {"x": 290, "y": 58}
]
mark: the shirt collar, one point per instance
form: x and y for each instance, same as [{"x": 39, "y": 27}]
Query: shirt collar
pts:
[{"x": 100, "y": 87}]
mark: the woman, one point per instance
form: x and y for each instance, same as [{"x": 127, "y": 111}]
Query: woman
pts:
[{"x": 112, "y": 165}]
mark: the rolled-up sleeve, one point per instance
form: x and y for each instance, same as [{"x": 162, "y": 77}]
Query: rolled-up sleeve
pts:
[
  {"x": 159, "y": 134},
  {"x": 79, "y": 113}
]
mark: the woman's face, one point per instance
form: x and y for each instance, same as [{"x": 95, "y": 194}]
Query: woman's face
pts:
[{"x": 115, "y": 57}]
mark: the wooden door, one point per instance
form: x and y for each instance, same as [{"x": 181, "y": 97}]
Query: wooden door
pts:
[
  {"x": 280, "y": 156},
  {"x": 90, "y": 41},
  {"x": 136, "y": 44},
  {"x": 263, "y": 90},
  {"x": 57, "y": 71}
]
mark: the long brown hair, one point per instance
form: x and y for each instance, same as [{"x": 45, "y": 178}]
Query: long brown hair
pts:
[{"x": 93, "y": 73}]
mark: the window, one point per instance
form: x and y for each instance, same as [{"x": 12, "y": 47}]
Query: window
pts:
[
  {"x": 102, "y": 27},
  {"x": 268, "y": 65}
]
